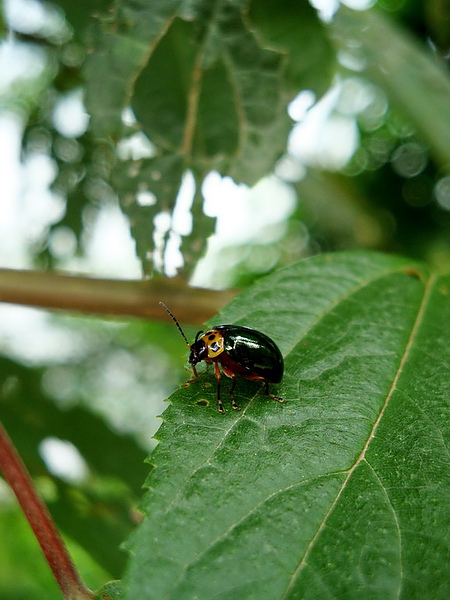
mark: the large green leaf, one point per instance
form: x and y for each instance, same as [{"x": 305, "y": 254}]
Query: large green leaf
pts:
[{"x": 342, "y": 491}]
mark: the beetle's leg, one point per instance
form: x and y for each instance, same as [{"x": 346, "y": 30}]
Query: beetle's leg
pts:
[
  {"x": 231, "y": 391},
  {"x": 266, "y": 391},
  {"x": 219, "y": 401},
  {"x": 194, "y": 370}
]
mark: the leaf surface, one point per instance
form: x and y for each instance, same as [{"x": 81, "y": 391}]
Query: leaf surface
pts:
[
  {"x": 342, "y": 491},
  {"x": 202, "y": 82},
  {"x": 123, "y": 40}
]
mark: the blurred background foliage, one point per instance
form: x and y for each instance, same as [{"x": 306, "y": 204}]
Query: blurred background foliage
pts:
[{"x": 279, "y": 127}]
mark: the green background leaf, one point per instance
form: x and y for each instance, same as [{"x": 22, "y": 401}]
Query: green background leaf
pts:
[
  {"x": 340, "y": 492},
  {"x": 175, "y": 97},
  {"x": 405, "y": 70},
  {"x": 160, "y": 177},
  {"x": 295, "y": 31},
  {"x": 123, "y": 41},
  {"x": 207, "y": 81},
  {"x": 2, "y": 21},
  {"x": 98, "y": 513}
]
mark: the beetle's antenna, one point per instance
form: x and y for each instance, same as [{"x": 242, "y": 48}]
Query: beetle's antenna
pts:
[{"x": 168, "y": 311}]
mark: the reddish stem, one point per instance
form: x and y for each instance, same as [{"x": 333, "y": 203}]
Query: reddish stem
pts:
[{"x": 41, "y": 522}]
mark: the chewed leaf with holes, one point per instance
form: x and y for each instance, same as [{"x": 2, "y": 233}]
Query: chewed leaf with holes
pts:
[
  {"x": 340, "y": 492},
  {"x": 208, "y": 85},
  {"x": 205, "y": 80},
  {"x": 150, "y": 187},
  {"x": 146, "y": 188}
]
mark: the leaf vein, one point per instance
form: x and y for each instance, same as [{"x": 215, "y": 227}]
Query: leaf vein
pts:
[
  {"x": 362, "y": 455},
  {"x": 427, "y": 418},
  {"x": 346, "y": 296},
  {"x": 397, "y": 524},
  {"x": 249, "y": 513}
]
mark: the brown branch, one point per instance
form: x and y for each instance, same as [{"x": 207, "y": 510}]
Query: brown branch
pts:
[
  {"x": 41, "y": 522},
  {"x": 110, "y": 297}
]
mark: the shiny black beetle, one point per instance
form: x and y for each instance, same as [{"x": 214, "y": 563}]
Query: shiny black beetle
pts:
[{"x": 238, "y": 350}]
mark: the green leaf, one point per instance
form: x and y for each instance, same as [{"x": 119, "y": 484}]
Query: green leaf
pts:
[
  {"x": 124, "y": 39},
  {"x": 205, "y": 89},
  {"x": 201, "y": 51},
  {"x": 208, "y": 84},
  {"x": 341, "y": 491},
  {"x": 413, "y": 79},
  {"x": 295, "y": 30},
  {"x": 201, "y": 83},
  {"x": 80, "y": 15},
  {"x": 158, "y": 177}
]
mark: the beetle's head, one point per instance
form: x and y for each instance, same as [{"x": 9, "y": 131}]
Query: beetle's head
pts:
[{"x": 199, "y": 350}]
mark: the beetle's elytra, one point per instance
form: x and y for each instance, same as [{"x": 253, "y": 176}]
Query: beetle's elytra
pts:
[{"x": 238, "y": 350}]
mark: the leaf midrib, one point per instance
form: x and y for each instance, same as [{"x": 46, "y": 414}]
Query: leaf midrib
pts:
[{"x": 362, "y": 455}]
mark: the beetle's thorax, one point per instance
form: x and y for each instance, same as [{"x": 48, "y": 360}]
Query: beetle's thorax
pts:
[
  {"x": 207, "y": 347},
  {"x": 214, "y": 342}
]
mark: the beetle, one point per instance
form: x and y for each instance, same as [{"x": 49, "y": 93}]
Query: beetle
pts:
[{"x": 238, "y": 350}]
